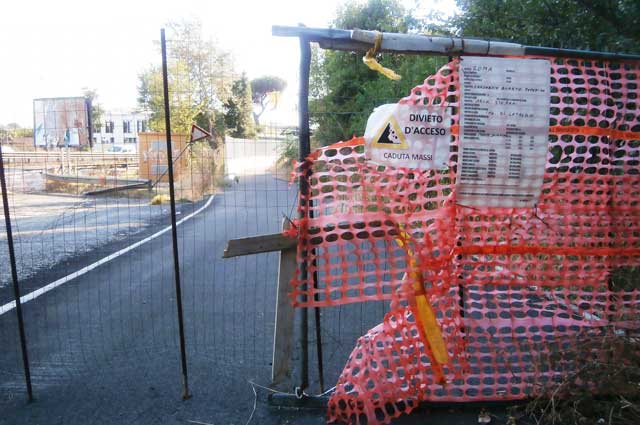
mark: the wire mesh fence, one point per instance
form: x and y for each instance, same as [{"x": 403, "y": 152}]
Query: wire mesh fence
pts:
[
  {"x": 91, "y": 225},
  {"x": 90, "y": 213}
]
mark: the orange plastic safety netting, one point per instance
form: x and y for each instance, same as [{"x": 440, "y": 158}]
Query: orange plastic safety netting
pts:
[{"x": 487, "y": 303}]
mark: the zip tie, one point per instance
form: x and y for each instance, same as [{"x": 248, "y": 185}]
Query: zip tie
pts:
[{"x": 370, "y": 60}]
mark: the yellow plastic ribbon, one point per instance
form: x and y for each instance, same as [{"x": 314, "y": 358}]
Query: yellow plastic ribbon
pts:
[
  {"x": 370, "y": 60},
  {"x": 426, "y": 316}
]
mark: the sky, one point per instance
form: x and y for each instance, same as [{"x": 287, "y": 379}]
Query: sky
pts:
[{"x": 55, "y": 48}]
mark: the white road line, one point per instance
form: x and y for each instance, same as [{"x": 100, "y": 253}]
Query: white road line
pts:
[{"x": 35, "y": 294}]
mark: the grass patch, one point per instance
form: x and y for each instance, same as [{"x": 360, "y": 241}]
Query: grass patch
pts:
[{"x": 602, "y": 389}]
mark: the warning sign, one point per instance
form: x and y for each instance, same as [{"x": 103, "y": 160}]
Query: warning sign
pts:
[
  {"x": 198, "y": 133},
  {"x": 504, "y": 127},
  {"x": 390, "y": 136},
  {"x": 408, "y": 136}
]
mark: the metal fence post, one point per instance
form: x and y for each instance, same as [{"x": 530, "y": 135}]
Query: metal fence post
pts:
[
  {"x": 14, "y": 278},
  {"x": 304, "y": 150},
  {"x": 304, "y": 136},
  {"x": 174, "y": 231}
]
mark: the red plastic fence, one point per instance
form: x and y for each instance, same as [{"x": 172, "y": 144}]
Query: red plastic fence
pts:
[{"x": 514, "y": 291}]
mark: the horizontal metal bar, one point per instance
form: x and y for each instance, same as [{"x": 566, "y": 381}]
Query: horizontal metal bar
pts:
[
  {"x": 321, "y": 401},
  {"x": 570, "y": 53},
  {"x": 361, "y": 40},
  {"x": 60, "y": 98},
  {"x": 91, "y": 155}
]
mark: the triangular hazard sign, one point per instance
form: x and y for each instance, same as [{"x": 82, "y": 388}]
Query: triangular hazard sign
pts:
[
  {"x": 390, "y": 136},
  {"x": 198, "y": 133}
]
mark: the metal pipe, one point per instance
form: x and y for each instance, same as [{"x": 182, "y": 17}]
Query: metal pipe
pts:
[
  {"x": 321, "y": 402},
  {"x": 89, "y": 107},
  {"x": 14, "y": 278},
  {"x": 581, "y": 54},
  {"x": 319, "y": 355},
  {"x": 305, "y": 148},
  {"x": 174, "y": 228},
  {"x": 360, "y": 40},
  {"x": 304, "y": 141}
]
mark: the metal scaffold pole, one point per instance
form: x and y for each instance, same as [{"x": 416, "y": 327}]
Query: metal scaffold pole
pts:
[
  {"x": 14, "y": 278},
  {"x": 305, "y": 149},
  {"x": 174, "y": 228}
]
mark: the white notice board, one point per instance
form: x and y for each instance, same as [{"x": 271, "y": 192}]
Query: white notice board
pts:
[{"x": 504, "y": 131}]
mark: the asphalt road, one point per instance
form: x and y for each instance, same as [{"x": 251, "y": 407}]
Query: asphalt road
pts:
[
  {"x": 105, "y": 343},
  {"x": 104, "y": 346}
]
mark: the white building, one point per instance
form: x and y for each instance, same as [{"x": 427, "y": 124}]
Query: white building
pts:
[{"x": 120, "y": 127}]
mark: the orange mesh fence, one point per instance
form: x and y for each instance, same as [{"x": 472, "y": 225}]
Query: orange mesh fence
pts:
[{"x": 509, "y": 289}]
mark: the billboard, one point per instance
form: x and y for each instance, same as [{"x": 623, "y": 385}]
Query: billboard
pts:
[{"x": 61, "y": 122}]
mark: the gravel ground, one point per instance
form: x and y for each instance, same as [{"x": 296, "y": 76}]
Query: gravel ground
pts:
[{"x": 50, "y": 229}]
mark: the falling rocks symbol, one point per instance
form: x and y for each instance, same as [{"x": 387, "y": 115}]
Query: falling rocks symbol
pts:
[{"x": 389, "y": 136}]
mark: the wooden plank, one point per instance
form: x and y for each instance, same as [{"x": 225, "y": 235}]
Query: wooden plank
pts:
[
  {"x": 283, "y": 334},
  {"x": 118, "y": 188},
  {"x": 93, "y": 179},
  {"x": 258, "y": 244}
]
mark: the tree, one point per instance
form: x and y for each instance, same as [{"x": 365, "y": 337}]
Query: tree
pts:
[
  {"x": 612, "y": 25},
  {"x": 199, "y": 75},
  {"x": 13, "y": 130},
  {"x": 264, "y": 91},
  {"x": 96, "y": 109},
  {"x": 343, "y": 90},
  {"x": 239, "y": 117}
]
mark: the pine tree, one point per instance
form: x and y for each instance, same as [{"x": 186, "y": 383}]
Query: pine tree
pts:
[{"x": 239, "y": 116}]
